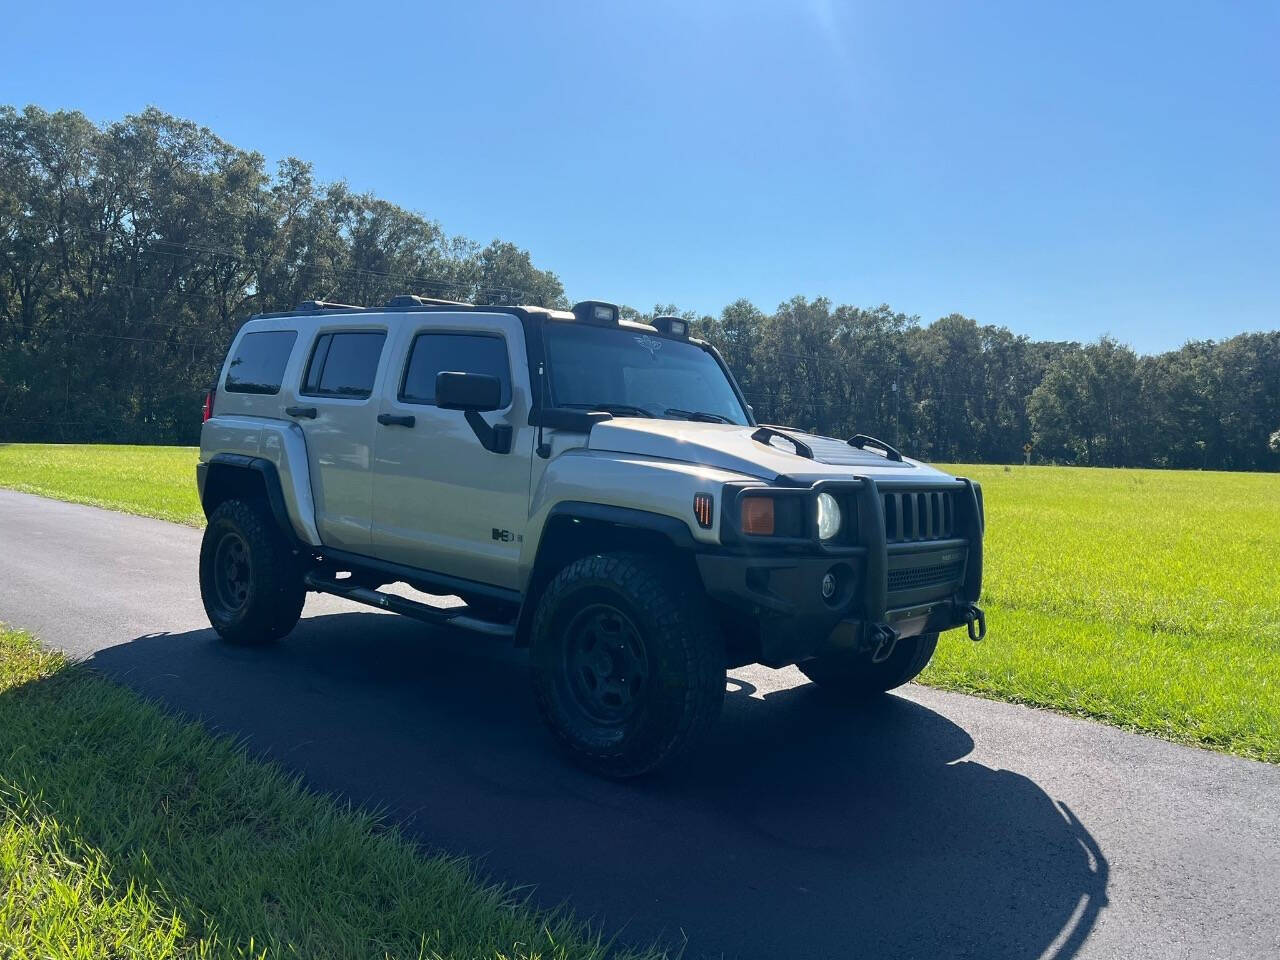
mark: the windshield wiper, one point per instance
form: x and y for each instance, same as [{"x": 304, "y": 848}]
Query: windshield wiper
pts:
[
  {"x": 698, "y": 415},
  {"x": 622, "y": 409}
]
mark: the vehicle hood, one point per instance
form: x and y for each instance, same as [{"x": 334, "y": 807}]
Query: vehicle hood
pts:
[{"x": 731, "y": 447}]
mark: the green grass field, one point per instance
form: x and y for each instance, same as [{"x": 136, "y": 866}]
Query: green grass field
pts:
[
  {"x": 1147, "y": 599},
  {"x": 127, "y": 833},
  {"x": 150, "y": 481}
]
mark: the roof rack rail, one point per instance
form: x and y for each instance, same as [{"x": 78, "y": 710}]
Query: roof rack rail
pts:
[
  {"x": 310, "y": 306},
  {"x": 413, "y": 300}
]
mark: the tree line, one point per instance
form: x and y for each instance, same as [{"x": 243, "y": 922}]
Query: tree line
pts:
[
  {"x": 130, "y": 253},
  {"x": 957, "y": 391}
]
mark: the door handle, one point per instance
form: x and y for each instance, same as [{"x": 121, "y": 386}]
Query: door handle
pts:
[
  {"x": 307, "y": 412},
  {"x": 391, "y": 420}
]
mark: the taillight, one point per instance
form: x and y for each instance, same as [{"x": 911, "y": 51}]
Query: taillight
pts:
[{"x": 207, "y": 411}]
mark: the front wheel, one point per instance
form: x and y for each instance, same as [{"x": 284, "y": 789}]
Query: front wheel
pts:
[
  {"x": 250, "y": 582},
  {"x": 854, "y": 675},
  {"x": 628, "y": 664}
]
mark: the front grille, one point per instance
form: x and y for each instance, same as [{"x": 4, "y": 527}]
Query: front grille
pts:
[
  {"x": 914, "y": 516},
  {"x": 915, "y": 578}
]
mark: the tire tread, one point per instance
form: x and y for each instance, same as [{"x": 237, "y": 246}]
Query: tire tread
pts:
[
  {"x": 856, "y": 676},
  {"x": 680, "y": 615},
  {"x": 278, "y": 593}
]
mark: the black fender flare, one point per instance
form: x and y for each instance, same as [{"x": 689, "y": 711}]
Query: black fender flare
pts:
[
  {"x": 674, "y": 531},
  {"x": 210, "y": 478}
]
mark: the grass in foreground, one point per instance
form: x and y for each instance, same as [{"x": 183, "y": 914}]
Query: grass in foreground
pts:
[
  {"x": 1149, "y": 599},
  {"x": 126, "y": 832}
]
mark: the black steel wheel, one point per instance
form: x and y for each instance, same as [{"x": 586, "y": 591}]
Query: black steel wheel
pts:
[
  {"x": 231, "y": 572},
  {"x": 628, "y": 664},
  {"x": 606, "y": 667},
  {"x": 250, "y": 581}
]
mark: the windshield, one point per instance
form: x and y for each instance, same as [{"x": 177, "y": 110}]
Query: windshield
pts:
[{"x": 638, "y": 373}]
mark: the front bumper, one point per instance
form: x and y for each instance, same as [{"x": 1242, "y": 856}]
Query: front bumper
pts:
[{"x": 883, "y": 580}]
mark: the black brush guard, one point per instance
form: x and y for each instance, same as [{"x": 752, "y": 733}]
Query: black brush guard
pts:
[{"x": 778, "y": 585}]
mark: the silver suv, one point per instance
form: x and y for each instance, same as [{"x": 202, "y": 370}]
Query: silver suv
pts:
[{"x": 593, "y": 488}]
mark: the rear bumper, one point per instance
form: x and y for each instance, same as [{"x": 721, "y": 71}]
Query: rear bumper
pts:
[{"x": 913, "y": 587}]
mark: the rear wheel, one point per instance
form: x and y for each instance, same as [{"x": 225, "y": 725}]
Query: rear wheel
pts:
[
  {"x": 250, "y": 582},
  {"x": 854, "y": 675},
  {"x": 628, "y": 665}
]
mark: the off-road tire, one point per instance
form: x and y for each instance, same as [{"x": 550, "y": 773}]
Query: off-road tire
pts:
[
  {"x": 681, "y": 690},
  {"x": 855, "y": 676},
  {"x": 265, "y": 601}
]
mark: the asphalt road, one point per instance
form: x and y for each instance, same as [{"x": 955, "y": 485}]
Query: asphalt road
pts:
[{"x": 929, "y": 825}]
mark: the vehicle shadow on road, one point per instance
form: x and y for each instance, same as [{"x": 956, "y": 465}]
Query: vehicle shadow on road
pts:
[{"x": 805, "y": 828}]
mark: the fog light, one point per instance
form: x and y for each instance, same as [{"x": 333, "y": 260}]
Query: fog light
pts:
[{"x": 828, "y": 586}]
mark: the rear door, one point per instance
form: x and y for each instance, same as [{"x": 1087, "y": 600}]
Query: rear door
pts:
[
  {"x": 336, "y": 406},
  {"x": 441, "y": 501}
]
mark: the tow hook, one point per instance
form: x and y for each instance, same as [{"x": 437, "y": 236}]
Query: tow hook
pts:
[
  {"x": 976, "y": 621},
  {"x": 885, "y": 639}
]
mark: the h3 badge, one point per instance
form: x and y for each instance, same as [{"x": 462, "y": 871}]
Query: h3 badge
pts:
[{"x": 506, "y": 536}]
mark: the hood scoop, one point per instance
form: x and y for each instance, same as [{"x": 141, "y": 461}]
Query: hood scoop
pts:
[
  {"x": 766, "y": 435},
  {"x": 858, "y": 451}
]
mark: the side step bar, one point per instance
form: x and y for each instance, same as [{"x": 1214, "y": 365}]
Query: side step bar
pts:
[{"x": 440, "y": 616}]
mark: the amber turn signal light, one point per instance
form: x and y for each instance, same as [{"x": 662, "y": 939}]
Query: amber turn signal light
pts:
[
  {"x": 702, "y": 504},
  {"x": 757, "y": 516}
]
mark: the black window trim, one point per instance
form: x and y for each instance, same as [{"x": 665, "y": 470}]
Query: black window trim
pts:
[
  {"x": 330, "y": 332},
  {"x": 455, "y": 332},
  {"x": 239, "y": 345}
]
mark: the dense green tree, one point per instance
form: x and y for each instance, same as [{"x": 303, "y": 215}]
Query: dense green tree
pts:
[
  {"x": 131, "y": 252},
  {"x": 1087, "y": 410}
]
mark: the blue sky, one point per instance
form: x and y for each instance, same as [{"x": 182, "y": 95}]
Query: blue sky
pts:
[{"x": 1066, "y": 170}]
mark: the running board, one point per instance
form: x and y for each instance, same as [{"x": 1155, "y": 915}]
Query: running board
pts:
[{"x": 440, "y": 616}]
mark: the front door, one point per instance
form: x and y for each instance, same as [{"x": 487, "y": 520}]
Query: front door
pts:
[{"x": 441, "y": 501}]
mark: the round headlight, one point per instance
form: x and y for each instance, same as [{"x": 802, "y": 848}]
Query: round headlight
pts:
[{"x": 828, "y": 516}]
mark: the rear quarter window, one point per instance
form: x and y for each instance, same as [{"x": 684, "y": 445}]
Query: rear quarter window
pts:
[
  {"x": 344, "y": 364},
  {"x": 258, "y": 362}
]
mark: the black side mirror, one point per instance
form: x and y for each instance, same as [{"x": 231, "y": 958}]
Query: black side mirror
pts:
[
  {"x": 467, "y": 391},
  {"x": 474, "y": 393}
]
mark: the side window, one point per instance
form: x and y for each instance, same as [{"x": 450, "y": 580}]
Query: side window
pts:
[
  {"x": 344, "y": 364},
  {"x": 259, "y": 362},
  {"x": 434, "y": 353}
]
